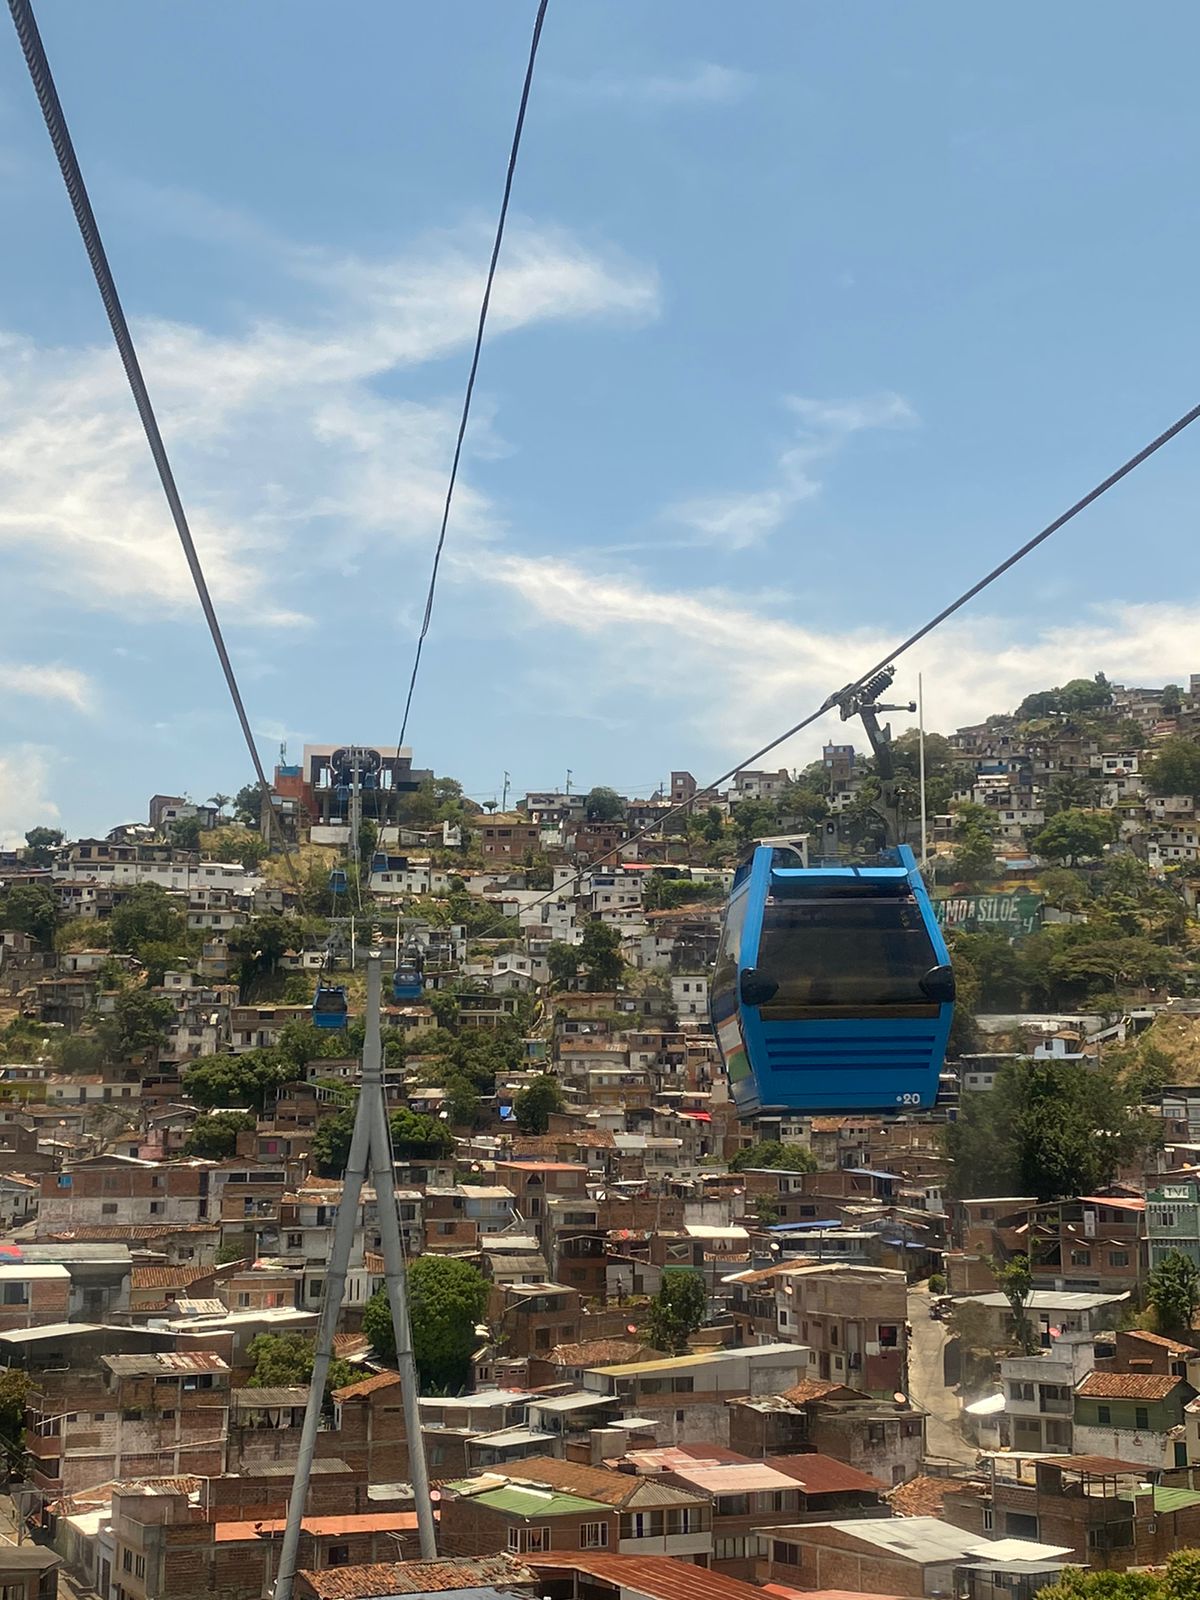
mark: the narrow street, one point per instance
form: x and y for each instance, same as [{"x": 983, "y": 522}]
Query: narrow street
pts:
[{"x": 943, "y": 1439}]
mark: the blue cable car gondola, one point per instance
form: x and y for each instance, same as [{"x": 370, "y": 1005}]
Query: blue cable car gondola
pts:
[
  {"x": 408, "y": 980},
  {"x": 833, "y": 989},
  {"x": 329, "y": 1006},
  {"x": 337, "y": 881}
]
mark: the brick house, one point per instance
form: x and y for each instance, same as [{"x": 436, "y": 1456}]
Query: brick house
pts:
[
  {"x": 28, "y": 1572},
  {"x": 532, "y": 1318},
  {"x": 120, "y": 1190},
  {"x": 883, "y": 1438},
  {"x": 505, "y": 836},
  {"x": 368, "y": 1432},
  {"x": 1140, "y": 1414},
  {"x": 32, "y": 1296},
  {"x": 686, "y": 1396}
]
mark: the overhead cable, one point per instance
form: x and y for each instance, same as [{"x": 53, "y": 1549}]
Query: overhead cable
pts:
[
  {"x": 920, "y": 633},
  {"x": 56, "y": 126},
  {"x": 474, "y": 369}
]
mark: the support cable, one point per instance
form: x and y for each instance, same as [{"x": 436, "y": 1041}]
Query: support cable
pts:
[
  {"x": 474, "y": 369},
  {"x": 56, "y": 126},
  {"x": 839, "y": 695}
]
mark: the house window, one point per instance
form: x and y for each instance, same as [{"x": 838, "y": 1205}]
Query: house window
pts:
[
  {"x": 1104, "y": 1414},
  {"x": 16, "y": 1294},
  {"x": 108, "y": 1208},
  {"x": 339, "y": 1555},
  {"x": 889, "y": 1337},
  {"x": 989, "y": 1519},
  {"x": 730, "y": 1549},
  {"x": 1141, "y": 1417},
  {"x": 787, "y": 1554},
  {"x": 1081, "y": 1258},
  {"x": 1118, "y": 1258},
  {"x": 594, "y": 1536}
]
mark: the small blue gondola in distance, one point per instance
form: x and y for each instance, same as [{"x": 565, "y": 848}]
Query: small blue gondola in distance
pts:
[
  {"x": 833, "y": 990},
  {"x": 407, "y": 981},
  {"x": 330, "y": 1008}
]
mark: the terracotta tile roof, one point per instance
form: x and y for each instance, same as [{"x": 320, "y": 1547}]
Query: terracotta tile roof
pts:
[
  {"x": 1173, "y": 1345},
  {"x": 593, "y": 1483},
  {"x": 349, "y": 1345},
  {"x": 378, "y": 1380},
  {"x": 920, "y": 1496},
  {"x": 123, "y": 1232},
  {"x": 379, "y": 1578},
  {"x": 166, "y": 1277},
  {"x": 600, "y": 1353},
  {"x": 828, "y": 1124},
  {"x": 321, "y": 1527},
  {"x": 1127, "y": 1386},
  {"x": 816, "y": 1389}
]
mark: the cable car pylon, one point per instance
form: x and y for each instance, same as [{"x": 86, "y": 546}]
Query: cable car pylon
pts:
[{"x": 370, "y": 1152}]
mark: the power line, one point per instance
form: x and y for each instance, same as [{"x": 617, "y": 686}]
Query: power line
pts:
[
  {"x": 967, "y": 595},
  {"x": 466, "y": 409},
  {"x": 56, "y": 126}
]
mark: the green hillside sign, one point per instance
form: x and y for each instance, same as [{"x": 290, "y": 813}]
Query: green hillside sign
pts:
[{"x": 1013, "y": 914}]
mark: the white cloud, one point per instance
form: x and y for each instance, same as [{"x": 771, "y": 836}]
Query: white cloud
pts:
[
  {"x": 51, "y": 682},
  {"x": 24, "y": 798},
  {"x": 278, "y": 433},
  {"x": 704, "y": 83},
  {"x": 726, "y": 678},
  {"x": 823, "y": 427}
]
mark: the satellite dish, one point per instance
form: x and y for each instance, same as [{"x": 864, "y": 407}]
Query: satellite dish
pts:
[
  {"x": 631, "y": 1327},
  {"x": 900, "y": 1398}
]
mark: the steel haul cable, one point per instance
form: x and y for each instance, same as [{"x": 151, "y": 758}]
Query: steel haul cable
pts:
[
  {"x": 1093, "y": 494},
  {"x": 474, "y": 368},
  {"x": 60, "y": 137}
]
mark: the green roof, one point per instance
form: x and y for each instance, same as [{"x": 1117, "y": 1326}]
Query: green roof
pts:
[
  {"x": 1167, "y": 1499},
  {"x": 524, "y": 1502}
]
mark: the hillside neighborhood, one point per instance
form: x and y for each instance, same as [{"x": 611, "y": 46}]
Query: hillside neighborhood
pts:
[{"x": 662, "y": 1351}]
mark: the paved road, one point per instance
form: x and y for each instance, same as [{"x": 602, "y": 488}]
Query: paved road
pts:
[{"x": 943, "y": 1437}]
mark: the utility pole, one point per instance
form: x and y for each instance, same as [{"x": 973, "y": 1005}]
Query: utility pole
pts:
[
  {"x": 370, "y": 1150},
  {"x": 569, "y": 776},
  {"x": 507, "y": 781}
]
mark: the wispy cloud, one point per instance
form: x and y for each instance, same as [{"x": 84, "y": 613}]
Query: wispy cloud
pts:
[
  {"x": 823, "y": 427},
  {"x": 703, "y": 83},
  {"x": 724, "y": 677},
  {"x": 25, "y": 781},
  {"x": 49, "y": 682},
  {"x": 281, "y": 433}
]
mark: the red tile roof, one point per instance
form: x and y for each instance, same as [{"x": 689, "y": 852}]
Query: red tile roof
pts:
[
  {"x": 417, "y": 1577},
  {"x": 377, "y": 1380},
  {"x": 1173, "y": 1345},
  {"x": 921, "y": 1496},
  {"x": 166, "y": 1277},
  {"x": 816, "y": 1389},
  {"x": 1127, "y": 1386},
  {"x": 600, "y": 1353},
  {"x": 329, "y": 1527}
]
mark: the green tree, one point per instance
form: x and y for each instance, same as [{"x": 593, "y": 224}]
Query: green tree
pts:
[
  {"x": 285, "y": 1361},
  {"x": 260, "y": 944},
  {"x": 247, "y": 805},
  {"x": 1173, "y": 1290},
  {"x": 463, "y": 1106},
  {"x": 714, "y": 825},
  {"x": 564, "y": 963},
  {"x": 220, "y": 801},
  {"x": 676, "y": 1311},
  {"x": 1045, "y": 1129},
  {"x": 414, "y": 1135},
  {"x": 331, "y": 1143},
  {"x": 41, "y": 845},
  {"x": 147, "y": 914},
  {"x": 447, "y": 1299},
  {"x": 536, "y": 1102},
  {"x": 1174, "y": 768},
  {"x": 79, "y": 1052},
  {"x": 15, "y": 1385},
  {"x": 1180, "y": 1581},
  {"x": 1015, "y": 1282},
  {"x": 1075, "y": 835},
  {"x": 30, "y": 908},
  {"x": 1034, "y": 707},
  {"x": 184, "y": 833},
  {"x": 604, "y": 805},
  {"x": 600, "y": 953},
  {"x": 1070, "y": 791},
  {"x": 215, "y": 1137},
  {"x": 1171, "y": 703},
  {"x": 752, "y": 819},
  {"x": 250, "y": 1079},
  {"x": 138, "y": 1023},
  {"x": 974, "y": 840},
  {"x": 1085, "y": 694},
  {"x": 1064, "y": 889},
  {"x": 773, "y": 1153}
]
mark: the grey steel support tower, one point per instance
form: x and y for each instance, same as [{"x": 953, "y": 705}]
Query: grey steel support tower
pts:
[{"x": 370, "y": 1152}]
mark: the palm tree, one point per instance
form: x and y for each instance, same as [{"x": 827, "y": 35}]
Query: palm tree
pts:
[{"x": 220, "y": 801}]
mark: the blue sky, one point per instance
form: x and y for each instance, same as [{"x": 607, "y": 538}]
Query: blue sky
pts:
[{"x": 799, "y": 326}]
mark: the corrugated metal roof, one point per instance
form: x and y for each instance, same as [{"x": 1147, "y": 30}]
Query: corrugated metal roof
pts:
[
  {"x": 529, "y": 1500},
  {"x": 1169, "y": 1499},
  {"x": 734, "y": 1477},
  {"x": 656, "y": 1577},
  {"x": 822, "y": 1474}
]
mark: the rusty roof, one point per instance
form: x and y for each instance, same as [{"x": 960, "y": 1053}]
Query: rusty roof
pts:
[
  {"x": 656, "y": 1577},
  {"x": 821, "y": 1474},
  {"x": 599, "y": 1353},
  {"x": 378, "y": 1578},
  {"x": 361, "y": 1522},
  {"x": 1096, "y": 1466},
  {"x": 595, "y": 1483},
  {"x": 166, "y": 1277},
  {"x": 1127, "y": 1385}
]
